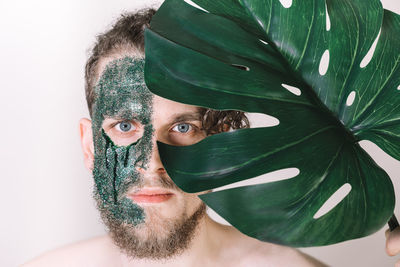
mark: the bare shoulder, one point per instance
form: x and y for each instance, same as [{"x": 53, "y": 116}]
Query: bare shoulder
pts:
[
  {"x": 98, "y": 251},
  {"x": 253, "y": 252}
]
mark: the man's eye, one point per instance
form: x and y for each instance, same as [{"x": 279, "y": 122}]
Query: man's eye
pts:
[
  {"x": 182, "y": 128},
  {"x": 125, "y": 126}
]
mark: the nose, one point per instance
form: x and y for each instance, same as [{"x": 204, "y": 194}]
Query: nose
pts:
[{"x": 153, "y": 164}]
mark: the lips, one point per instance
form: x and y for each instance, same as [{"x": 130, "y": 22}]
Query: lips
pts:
[{"x": 150, "y": 195}]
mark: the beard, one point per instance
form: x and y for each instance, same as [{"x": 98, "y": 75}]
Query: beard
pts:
[{"x": 156, "y": 238}]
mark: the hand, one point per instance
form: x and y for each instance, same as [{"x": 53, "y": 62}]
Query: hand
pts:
[{"x": 393, "y": 243}]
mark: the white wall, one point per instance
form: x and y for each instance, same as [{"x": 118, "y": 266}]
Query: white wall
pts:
[{"x": 46, "y": 191}]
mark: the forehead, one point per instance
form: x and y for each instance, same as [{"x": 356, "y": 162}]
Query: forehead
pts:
[
  {"x": 122, "y": 84},
  {"x": 121, "y": 76},
  {"x": 168, "y": 109},
  {"x": 123, "y": 53}
]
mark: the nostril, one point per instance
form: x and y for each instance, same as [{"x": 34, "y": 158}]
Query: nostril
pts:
[
  {"x": 161, "y": 170},
  {"x": 140, "y": 169}
]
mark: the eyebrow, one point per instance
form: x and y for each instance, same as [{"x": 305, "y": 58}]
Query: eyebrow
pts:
[
  {"x": 122, "y": 117},
  {"x": 192, "y": 116},
  {"x": 189, "y": 116}
]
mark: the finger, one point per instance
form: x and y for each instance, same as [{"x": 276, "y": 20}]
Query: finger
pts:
[{"x": 393, "y": 242}]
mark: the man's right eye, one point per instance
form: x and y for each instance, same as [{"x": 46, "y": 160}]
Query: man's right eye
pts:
[
  {"x": 125, "y": 126},
  {"x": 123, "y": 133}
]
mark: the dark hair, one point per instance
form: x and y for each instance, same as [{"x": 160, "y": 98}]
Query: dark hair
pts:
[{"x": 128, "y": 34}]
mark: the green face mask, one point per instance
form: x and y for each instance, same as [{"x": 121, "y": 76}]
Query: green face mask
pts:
[{"x": 121, "y": 93}]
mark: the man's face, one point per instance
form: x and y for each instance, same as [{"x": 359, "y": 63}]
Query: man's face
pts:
[{"x": 145, "y": 211}]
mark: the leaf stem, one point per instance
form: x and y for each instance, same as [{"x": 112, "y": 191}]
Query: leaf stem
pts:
[{"x": 393, "y": 223}]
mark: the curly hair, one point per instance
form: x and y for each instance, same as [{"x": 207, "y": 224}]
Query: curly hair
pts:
[{"x": 127, "y": 34}]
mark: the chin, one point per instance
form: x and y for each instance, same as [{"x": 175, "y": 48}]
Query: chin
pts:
[
  {"x": 157, "y": 237},
  {"x": 160, "y": 220}
]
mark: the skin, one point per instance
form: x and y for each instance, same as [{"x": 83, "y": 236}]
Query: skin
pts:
[
  {"x": 213, "y": 244},
  {"x": 393, "y": 243}
]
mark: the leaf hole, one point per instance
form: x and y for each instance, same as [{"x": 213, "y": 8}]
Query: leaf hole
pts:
[
  {"x": 324, "y": 63},
  {"x": 279, "y": 175},
  {"x": 292, "y": 89},
  {"x": 350, "y": 98},
  {"x": 370, "y": 53},
  {"x": 241, "y": 67},
  {"x": 333, "y": 201},
  {"x": 258, "y": 120},
  {"x": 195, "y": 5},
  {"x": 328, "y": 20},
  {"x": 286, "y": 3},
  {"x": 398, "y": 87},
  {"x": 264, "y": 42}
]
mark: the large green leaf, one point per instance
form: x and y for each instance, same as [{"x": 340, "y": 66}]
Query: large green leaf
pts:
[{"x": 241, "y": 54}]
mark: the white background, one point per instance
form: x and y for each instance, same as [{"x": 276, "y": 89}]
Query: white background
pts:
[{"x": 46, "y": 191}]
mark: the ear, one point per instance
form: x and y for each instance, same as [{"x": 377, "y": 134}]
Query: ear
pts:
[{"x": 85, "y": 129}]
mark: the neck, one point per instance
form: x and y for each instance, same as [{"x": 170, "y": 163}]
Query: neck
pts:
[{"x": 204, "y": 248}]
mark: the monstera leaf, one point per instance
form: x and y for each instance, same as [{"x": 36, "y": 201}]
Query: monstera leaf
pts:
[{"x": 309, "y": 65}]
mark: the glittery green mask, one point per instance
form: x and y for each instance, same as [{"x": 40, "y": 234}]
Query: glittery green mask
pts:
[{"x": 121, "y": 93}]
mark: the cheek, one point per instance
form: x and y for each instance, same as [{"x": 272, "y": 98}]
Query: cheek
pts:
[
  {"x": 114, "y": 167},
  {"x": 193, "y": 202}
]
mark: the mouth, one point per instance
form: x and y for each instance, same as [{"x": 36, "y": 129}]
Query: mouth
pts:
[{"x": 150, "y": 195}]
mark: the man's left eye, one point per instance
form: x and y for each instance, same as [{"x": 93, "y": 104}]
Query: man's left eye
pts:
[{"x": 182, "y": 128}]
